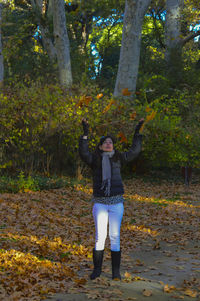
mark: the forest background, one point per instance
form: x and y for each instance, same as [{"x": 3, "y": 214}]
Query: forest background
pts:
[{"x": 112, "y": 62}]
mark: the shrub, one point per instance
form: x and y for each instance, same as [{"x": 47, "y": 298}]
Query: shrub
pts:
[{"x": 41, "y": 125}]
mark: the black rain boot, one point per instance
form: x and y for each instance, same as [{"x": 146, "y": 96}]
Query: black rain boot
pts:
[
  {"x": 116, "y": 259},
  {"x": 97, "y": 260}
]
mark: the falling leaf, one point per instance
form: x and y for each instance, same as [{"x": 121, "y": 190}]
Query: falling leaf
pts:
[
  {"x": 148, "y": 109},
  {"x": 150, "y": 116},
  {"x": 107, "y": 108},
  {"x": 84, "y": 100},
  {"x": 133, "y": 115},
  {"x": 123, "y": 138},
  {"x": 100, "y": 95},
  {"x": 87, "y": 99},
  {"x": 126, "y": 92}
]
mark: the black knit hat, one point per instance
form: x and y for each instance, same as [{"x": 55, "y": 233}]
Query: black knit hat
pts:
[{"x": 103, "y": 138}]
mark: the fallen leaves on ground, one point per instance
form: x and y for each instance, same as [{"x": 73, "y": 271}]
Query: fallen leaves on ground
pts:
[
  {"x": 46, "y": 238},
  {"x": 147, "y": 293}
]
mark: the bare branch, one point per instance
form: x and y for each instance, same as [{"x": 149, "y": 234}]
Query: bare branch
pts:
[{"x": 190, "y": 37}]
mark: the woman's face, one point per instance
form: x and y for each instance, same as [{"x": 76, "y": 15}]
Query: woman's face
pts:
[{"x": 107, "y": 146}]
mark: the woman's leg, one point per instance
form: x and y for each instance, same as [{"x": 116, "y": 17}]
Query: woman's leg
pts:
[
  {"x": 100, "y": 214},
  {"x": 115, "y": 219}
]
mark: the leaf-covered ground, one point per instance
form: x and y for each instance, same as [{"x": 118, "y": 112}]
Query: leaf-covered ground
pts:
[{"x": 46, "y": 241}]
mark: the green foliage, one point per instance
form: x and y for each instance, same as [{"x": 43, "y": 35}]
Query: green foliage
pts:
[
  {"x": 24, "y": 58},
  {"x": 26, "y": 183},
  {"x": 173, "y": 137},
  {"x": 21, "y": 183}
]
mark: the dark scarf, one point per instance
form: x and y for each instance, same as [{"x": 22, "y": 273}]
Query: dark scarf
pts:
[{"x": 106, "y": 172}]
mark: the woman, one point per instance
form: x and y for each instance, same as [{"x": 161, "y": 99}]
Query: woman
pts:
[{"x": 107, "y": 193}]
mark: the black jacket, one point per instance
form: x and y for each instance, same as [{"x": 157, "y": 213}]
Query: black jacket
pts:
[{"x": 94, "y": 160}]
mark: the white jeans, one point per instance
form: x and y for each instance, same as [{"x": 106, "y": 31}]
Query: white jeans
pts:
[{"x": 104, "y": 214}]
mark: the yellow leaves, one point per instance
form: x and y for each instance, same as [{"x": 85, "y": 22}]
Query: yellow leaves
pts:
[
  {"x": 150, "y": 116},
  {"x": 27, "y": 190},
  {"x": 89, "y": 255},
  {"x": 190, "y": 293},
  {"x": 127, "y": 275},
  {"x": 141, "y": 228},
  {"x": 107, "y": 108},
  {"x": 169, "y": 289},
  {"x": 51, "y": 241},
  {"x": 126, "y": 92},
  {"x": 139, "y": 263},
  {"x": 122, "y": 137},
  {"x": 80, "y": 281}
]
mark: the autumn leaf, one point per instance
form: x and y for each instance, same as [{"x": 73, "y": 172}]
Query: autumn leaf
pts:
[
  {"x": 107, "y": 108},
  {"x": 80, "y": 281},
  {"x": 190, "y": 293},
  {"x": 150, "y": 116},
  {"x": 137, "y": 93},
  {"x": 123, "y": 137},
  {"x": 100, "y": 95},
  {"x": 126, "y": 92},
  {"x": 148, "y": 109},
  {"x": 84, "y": 100},
  {"x": 133, "y": 115},
  {"x": 169, "y": 289},
  {"x": 47, "y": 237},
  {"x": 87, "y": 100},
  {"x": 147, "y": 293},
  {"x": 139, "y": 263},
  {"x": 127, "y": 275}
]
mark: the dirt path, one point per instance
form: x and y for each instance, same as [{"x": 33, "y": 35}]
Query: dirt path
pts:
[
  {"x": 159, "y": 273},
  {"x": 165, "y": 269}
]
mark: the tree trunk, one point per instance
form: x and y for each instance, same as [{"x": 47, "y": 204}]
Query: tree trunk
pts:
[
  {"x": 62, "y": 43},
  {"x": 174, "y": 41},
  {"x": 1, "y": 52},
  {"x": 130, "y": 48},
  {"x": 47, "y": 42}
]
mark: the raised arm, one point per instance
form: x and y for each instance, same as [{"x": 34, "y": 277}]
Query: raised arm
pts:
[
  {"x": 84, "y": 152},
  {"x": 136, "y": 144}
]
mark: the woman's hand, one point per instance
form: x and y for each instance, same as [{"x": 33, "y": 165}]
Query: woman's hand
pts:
[
  {"x": 139, "y": 125},
  {"x": 85, "y": 127}
]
